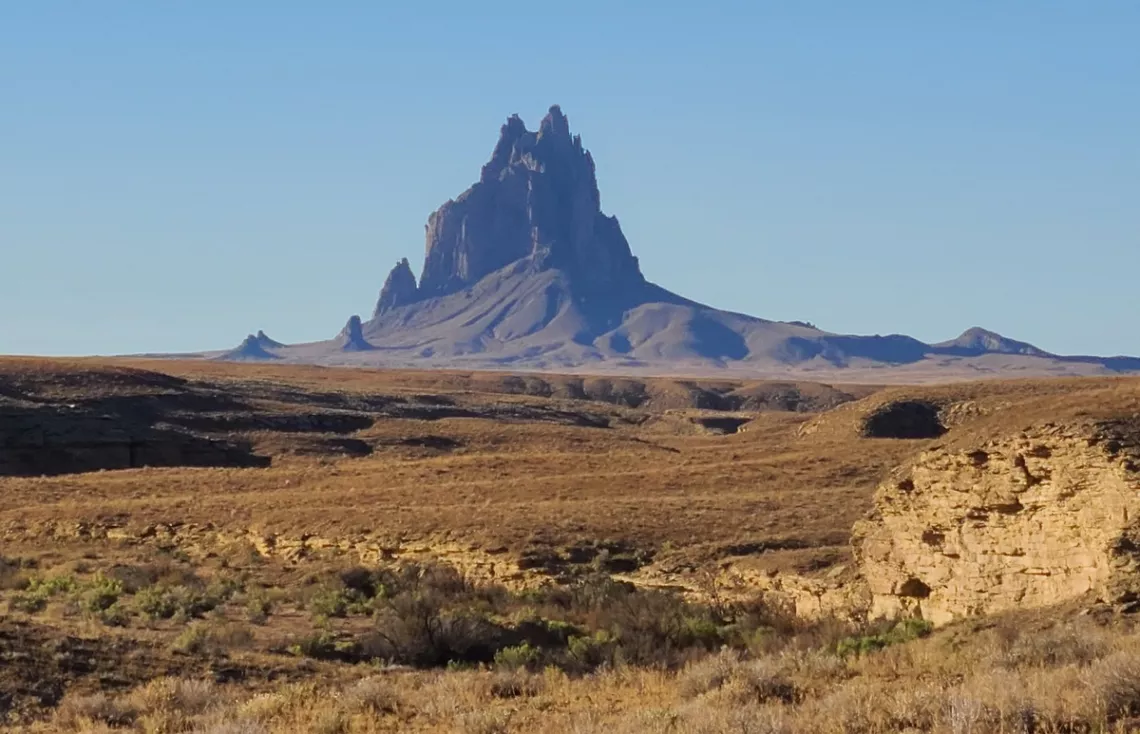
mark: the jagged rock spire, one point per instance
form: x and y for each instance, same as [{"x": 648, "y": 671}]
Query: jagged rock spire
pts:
[
  {"x": 265, "y": 342},
  {"x": 351, "y": 338},
  {"x": 536, "y": 198},
  {"x": 399, "y": 288}
]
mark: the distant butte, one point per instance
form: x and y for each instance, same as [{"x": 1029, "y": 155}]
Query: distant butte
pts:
[{"x": 524, "y": 270}]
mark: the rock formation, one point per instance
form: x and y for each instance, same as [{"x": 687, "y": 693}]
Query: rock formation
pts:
[
  {"x": 61, "y": 439},
  {"x": 252, "y": 348},
  {"x": 976, "y": 341},
  {"x": 399, "y": 289},
  {"x": 524, "y": 270},
  {"x": 536, "y": 198},
  {"x": 1028, "y": 520},
  {"x": 351, "y": 338},
  {"x": 267, "y": 343}
]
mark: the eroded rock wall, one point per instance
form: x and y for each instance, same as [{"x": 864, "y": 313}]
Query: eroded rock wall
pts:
[{"x": 1025, "y": 521}]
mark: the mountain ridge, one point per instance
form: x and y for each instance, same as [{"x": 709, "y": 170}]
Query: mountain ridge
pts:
[{"x": 525, "y": 270}]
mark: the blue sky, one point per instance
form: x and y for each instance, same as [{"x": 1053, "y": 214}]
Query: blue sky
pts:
[{"x": 174, "y": 175}]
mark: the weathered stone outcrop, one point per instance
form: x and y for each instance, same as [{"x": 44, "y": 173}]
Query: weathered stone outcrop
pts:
[
  {"x": 1030, "y": 520},
  {"x": 351, "y": 337},
  {"x": 399, "y": 288},
  {"x": 266, "y": 342},
  {"x": 251, "y": 349},
  {"x": 537, "y": 197}
]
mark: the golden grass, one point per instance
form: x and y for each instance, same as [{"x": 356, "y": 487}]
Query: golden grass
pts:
[{"x": 653, "y": 489}]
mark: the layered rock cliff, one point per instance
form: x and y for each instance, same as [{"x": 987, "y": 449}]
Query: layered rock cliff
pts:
[{"x": 1028, "y": 520}]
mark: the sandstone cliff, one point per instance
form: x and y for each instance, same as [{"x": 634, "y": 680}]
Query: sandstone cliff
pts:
[{"x": 1030, "y": 519}]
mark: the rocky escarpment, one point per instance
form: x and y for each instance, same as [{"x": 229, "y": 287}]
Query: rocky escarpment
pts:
[
  {"x": 1028, "y": 520},
  {"x": 537, "y": 197},
  {"x": 62, "y": 439}
]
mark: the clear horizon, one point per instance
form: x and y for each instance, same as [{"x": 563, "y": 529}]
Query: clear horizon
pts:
[{"x": 180, "y": 176}]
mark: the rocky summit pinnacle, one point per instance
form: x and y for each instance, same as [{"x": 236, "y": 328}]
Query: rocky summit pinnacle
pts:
[
  {"x": 351, "y": 338},
  {"x": 536, "y": 198},
  {"x": 399, "y": 288}
]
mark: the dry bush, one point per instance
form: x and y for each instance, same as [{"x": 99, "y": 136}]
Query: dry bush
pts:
[
  {"x": 239, "y": 726},
  {"x": 79, "y": 712},
  {"x": 483, "y": 722},
  {"x": 710, "y": 674},
  {"x": 187, "y": 696},
  {"x": 375, "y": 695},
  {"x": 516, "y": 684},
  {"x": 1067, "y": 644},
  {"x": 1114, "y": 685}
]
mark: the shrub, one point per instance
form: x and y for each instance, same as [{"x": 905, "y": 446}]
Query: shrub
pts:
[
  {"x": 185, "y": 696},
  {"x": 101, "y": 593},
  {"x": 373, "y": 695},
  {"x": 78, "y": 713},
  {"x": 322, "y": 645},
  {"x": 515, "y": 683},
  {"x": 114, "y": 616},
  {"x": 204, "y": 637},
  {"x": 258, "y": 607},
  {"x": 522, "y": 656},
  {"x": 164, "y": 602},
  {"x": 52, "y": 585},
  {"x": 902, "y": 631},
  {"x": 27, "y": 602}
]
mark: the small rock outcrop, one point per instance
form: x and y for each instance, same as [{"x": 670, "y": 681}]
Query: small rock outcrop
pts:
[
  {"x": 267, "y": 343},
  {"x": 399, "y": 289},
  {"x": 351, "y": 337},
  {"x": 252, "y": 349},
  {"x": 1034, "y": 519},
  {"x": 537, "y": 197}
]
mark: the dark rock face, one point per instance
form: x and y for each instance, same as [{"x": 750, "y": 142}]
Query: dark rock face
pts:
[
  {"x": 399, "y": 289},
  {"x": 351, "y": 337},
  {"x": 904, "y": 419},
  {"x": 61, "y": 440},
  {"x": 537, "y": 197}
]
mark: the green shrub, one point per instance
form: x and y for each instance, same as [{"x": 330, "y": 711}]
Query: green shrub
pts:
[
  {"x": 204, "y": 637},
  {"x": 330, "y": 603},
  {"x": 27, "y": 602},
  {"x": 258, "y": 607},
  {"x": 518, "y": 657},
  {"x": 52, "y": 585},
  {"x": 163, "y": 602},
  {"x": 902, "y": 631},
  {"x": 114, "y": 616},
  {"x": 101, "y": 593},
  {"x": 321, "y": 645}
]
